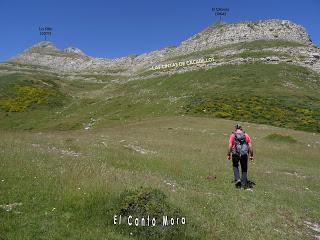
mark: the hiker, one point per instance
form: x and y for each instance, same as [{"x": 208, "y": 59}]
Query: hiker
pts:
[{"x": 240, "y": 145}]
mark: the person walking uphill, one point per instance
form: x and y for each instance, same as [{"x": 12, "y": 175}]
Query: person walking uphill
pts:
[{"x": 240, "y": 146}]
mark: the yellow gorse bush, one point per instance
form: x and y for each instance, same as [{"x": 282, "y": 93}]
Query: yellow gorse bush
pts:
[{"x": 26, "y": 96}]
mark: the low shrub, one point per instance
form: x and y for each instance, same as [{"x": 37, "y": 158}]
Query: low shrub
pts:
[
  {"x": 27, "y": 96},
  {"x": 271, "y": 111},
  {"x": 143, "y": 202}
]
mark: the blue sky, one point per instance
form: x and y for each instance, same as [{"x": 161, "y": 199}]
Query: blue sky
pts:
[{"x": 119, "y": 28}]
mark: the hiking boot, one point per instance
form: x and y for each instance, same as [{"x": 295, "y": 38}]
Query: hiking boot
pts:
[
  {"x": 244, "y": 180},
  {"x": 244, "y": 186},
  {"x": 238, "y": 184}
]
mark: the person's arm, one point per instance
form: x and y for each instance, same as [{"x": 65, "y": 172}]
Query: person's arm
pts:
[
  {"x": 229, "y": 151},
  {"x": 251, "y": 151},
  {"x": 231, "y": 140},
  {"x": 248, "y": 139}
]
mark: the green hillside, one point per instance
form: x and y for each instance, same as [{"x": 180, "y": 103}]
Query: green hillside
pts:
[{"x": 276, "y": 94}]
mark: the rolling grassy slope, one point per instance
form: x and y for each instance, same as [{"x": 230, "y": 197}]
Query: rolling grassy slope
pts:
[
  {"x": 276, "y": 94},
  {"x": 69, "y": 183}
]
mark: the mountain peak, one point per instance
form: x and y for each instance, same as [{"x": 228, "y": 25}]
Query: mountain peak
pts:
[
  {"x": 44, "y": 44},
  {"x": 74, "y": 50},
  {"x": 220, "y": 34},
  {"x": 43, "y": 47}
]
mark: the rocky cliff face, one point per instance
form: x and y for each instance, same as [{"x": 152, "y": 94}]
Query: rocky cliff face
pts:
[
  {"x": 74, "y": 60},
  {"x": 224, "y": 34}
]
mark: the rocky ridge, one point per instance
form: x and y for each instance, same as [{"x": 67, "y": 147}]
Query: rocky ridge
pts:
[{"x": 73, "y": 60}]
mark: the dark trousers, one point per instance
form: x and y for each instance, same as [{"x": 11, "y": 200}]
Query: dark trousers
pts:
[{"x": 243, "y": 159}]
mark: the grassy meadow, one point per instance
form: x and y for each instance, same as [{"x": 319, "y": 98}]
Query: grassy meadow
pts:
[{"x": 68, "y": 183}]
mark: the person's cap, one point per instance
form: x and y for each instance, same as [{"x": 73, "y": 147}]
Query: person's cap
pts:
[{"x": 237, "y": 126}]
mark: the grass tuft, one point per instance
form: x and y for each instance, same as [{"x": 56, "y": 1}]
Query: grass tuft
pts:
[{"x": 280, "y": 138}]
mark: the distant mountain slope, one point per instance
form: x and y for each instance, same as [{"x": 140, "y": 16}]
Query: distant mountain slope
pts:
[
  {"x": 257, "y": 77},
  {"x": 292, "y": 39}
]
